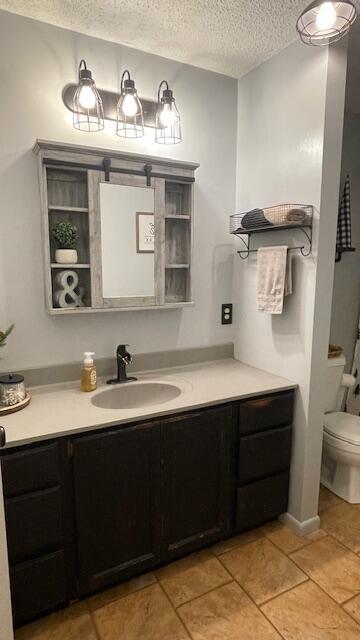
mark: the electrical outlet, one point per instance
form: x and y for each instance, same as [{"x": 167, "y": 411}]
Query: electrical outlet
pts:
[{"x": 226, "y": 313}]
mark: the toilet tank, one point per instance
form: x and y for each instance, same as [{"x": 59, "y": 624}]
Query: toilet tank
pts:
[{"x": 333, "y": 390}]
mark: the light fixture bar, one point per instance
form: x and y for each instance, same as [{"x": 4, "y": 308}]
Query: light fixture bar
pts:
[{"x": 110, "y": 100}]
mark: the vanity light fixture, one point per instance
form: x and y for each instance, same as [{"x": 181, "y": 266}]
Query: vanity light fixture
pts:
[
  {"x": 129, "y": 113},
  {"x": 168, "y": 125},
  {"x": 323, "y": 23},
  {"x": 88, "y": 111}
]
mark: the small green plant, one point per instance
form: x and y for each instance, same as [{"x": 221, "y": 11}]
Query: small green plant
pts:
[
  {"x": 65, "y": 235},
  {"x": 4, "y": 335}
]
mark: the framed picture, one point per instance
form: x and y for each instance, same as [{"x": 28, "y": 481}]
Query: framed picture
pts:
[{"x": 145, "y": 232}]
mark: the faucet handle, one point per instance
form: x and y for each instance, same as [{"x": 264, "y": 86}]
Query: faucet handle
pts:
[{"x": 122, "y": 353}]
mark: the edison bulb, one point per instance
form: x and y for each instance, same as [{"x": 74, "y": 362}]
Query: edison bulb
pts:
[
  {"x": 326, "y": 17},
  {"x": 168, "y": 117},
  {"x": 129, "y": 105},
  {"x": 87, "y": 97}
]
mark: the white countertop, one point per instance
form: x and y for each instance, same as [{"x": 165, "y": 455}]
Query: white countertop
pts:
[{"x": 62, "y": 409}]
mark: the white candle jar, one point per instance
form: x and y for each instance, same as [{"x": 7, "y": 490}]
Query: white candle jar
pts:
[{"x": 12, "y": 390}]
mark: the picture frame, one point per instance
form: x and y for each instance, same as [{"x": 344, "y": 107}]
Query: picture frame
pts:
[{"x": 145, "y": 232}]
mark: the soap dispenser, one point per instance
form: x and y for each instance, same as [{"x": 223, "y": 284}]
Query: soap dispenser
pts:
[{"x": 88, "y": 373}]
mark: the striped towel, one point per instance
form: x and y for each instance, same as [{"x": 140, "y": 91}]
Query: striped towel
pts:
[{"x": 343, "y": 237}]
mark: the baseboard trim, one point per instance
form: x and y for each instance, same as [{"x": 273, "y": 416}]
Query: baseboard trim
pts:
[{"x": 301, "y": 528}]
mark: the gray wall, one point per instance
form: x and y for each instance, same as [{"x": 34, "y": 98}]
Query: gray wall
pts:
[
  {"x": 36, "y": 61},
  {"x": 289, "y": 149},
  {"x": 346, "y": 296}
]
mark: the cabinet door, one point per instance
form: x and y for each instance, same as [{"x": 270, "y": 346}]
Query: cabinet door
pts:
[
  {"x": 117, "y": 489},
  {"x": 197, "y": 479}
]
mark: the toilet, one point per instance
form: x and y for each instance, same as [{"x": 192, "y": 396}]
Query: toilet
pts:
[{"x": 340, "y": 470}]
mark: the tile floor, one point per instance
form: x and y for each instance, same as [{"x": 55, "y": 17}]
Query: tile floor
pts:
[{"x": 266, "y": 584}]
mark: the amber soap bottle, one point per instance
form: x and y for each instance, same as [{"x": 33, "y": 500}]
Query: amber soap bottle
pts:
[{"x": 88, "y": 373}]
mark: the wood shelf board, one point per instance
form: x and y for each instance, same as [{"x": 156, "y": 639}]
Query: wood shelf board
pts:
[
  {"x": 175, "y": 217},
  {"x": 80, "y": 310},
  {"x": 67, "y": 208},
  {"x": 56, "y": 265}
]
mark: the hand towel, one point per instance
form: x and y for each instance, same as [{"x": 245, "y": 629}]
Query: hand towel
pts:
[
  {"x": 273, "y": 278},
  {"x": 343, "y": 236}
]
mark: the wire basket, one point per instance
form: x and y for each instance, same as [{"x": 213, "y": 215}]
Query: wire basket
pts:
[{"x": 282, "y": 215}]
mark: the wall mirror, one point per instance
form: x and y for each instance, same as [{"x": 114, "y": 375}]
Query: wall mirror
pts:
[
  {"x": 128, "y": 227},
  {"x": 127, "y": 240}
]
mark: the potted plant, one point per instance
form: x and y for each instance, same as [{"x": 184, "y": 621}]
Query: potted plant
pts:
[
  {"x": 65, "y": 236},
  {"x": 4, "y": 335}
]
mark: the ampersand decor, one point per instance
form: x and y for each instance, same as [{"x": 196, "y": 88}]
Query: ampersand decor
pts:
[{"x": 66, "y": 296}]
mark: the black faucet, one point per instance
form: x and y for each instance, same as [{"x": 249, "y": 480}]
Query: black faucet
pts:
[{"x": 123, "y": 358}]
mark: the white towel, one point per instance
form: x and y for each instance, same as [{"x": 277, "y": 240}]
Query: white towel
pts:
[{"x": 274, "y": 278}]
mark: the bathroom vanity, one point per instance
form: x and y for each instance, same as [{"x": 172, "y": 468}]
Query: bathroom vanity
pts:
[{"x": 90, "y": 506}]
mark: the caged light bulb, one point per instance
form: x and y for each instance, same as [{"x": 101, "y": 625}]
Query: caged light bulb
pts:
[
  {"x": 129, "y": 105},
  {"x": 168, "y": 117},
  {"x": 87, "y": 97},
  {"x": 326, "y": 17}
]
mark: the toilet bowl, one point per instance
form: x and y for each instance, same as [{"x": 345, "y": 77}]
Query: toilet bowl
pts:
[
  {"x": 340, "y": 471},
  {"x": 341, "y": 455}
]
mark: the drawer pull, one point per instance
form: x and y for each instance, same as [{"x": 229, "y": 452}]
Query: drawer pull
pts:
[{"x": 2, "y": 437}]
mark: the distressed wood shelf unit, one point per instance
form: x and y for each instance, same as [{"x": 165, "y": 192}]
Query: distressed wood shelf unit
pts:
[{"x": 70, "y": 176}]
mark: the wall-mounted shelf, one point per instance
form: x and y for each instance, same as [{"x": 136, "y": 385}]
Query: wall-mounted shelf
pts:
[{"x": 273, "y": 213}]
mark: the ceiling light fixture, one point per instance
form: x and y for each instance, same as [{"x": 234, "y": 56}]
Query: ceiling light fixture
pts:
[
  {"x": 130, "y": 120},
  {"x": 168, "y": 126},
  {"x": 88, "y": 111},
  {"x": 323, "y": 23}
]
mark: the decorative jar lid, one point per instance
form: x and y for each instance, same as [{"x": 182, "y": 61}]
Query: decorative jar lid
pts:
[{"x": 11, "y": 378}]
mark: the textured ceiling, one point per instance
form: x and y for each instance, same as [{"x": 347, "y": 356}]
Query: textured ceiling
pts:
[{"x": 227, "y": 36}]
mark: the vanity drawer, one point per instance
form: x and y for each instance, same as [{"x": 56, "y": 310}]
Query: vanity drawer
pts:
[
  {"x": 261, "y": 501},
  {"x": 38, "y": 587},
  {"x": 34, "y": 524},
  {"x": 30, "y": 469},
  {"x": 265, "y": 413},
  {"x": 263, "y": 454}
]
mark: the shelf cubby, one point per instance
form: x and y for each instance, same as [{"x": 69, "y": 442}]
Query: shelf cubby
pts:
[
  {"x": 177, "y": 285},
  {"x": 84, "y": 284},
  {"x": 177, "y": 199},
  {"x": 82, "y": 224},
  {"x": 67, "y": 188}
]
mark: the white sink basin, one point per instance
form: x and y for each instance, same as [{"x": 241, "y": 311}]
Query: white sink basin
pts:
[{"x": 135, "y": 395}]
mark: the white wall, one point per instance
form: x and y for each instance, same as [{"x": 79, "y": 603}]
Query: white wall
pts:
[
  {"x": 347, "y": 272},
  {"x": 281, "y": 121},
  {"x": 36, "y": 61}
]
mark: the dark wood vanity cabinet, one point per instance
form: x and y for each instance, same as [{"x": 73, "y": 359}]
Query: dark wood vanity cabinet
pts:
[
  {"x": 84, "y": 512},
  {"x": 141, "y": 496},
  {"x": 197, "y": 468},
  {"x": 264, "y": 451},
  {"x": 117, "y": 504},
  {"x": 39, "y": 528}
]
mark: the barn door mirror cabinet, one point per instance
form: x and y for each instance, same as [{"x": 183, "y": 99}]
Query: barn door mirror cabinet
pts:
[{"x": 117, "y": 229}]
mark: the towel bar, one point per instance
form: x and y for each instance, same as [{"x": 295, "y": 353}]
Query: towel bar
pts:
[{"x": 305, "y": 251}]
